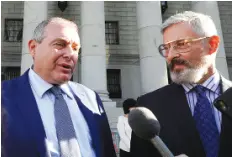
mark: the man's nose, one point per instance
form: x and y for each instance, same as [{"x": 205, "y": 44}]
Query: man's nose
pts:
[{"x": 69, "y": 52}]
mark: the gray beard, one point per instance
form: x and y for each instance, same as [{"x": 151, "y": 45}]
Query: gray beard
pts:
[
  {"x": 191, "y": 75},
  {"x": 188, "y": 75}
]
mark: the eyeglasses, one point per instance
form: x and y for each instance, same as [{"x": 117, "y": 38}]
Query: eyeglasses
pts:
[{"x": 181, "y": 46}]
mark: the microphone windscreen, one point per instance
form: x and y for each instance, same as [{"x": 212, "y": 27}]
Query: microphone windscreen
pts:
[{"x": 143, "y": 123}]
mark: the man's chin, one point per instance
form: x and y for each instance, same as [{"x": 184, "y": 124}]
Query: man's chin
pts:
[
  {"x": 187, "y": 76},
  {"x": 66, "y": 78},
  {"x": 63, "y": 79}
]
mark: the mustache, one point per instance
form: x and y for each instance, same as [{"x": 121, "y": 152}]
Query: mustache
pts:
[{"x": 178, "y": 62}]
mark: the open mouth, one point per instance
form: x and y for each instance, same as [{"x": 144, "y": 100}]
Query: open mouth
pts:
[
  {"x": 66, "y": 67},
  {"x": 178, "y": 65}
]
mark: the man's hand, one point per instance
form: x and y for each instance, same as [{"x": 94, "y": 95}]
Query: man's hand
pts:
[{"x": 181, "y": 155}]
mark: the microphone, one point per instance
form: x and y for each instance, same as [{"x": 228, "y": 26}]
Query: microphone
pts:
[
  {"x": 224, "y": 103},
  {"x": 146, "y": 126}
]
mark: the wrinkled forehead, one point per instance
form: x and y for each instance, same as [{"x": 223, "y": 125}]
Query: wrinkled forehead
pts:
[
  {"x": 65, "y": 30},
  {"x": 178, "y": 31}
]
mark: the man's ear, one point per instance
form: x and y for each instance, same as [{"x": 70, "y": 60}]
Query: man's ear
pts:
[
  {"x": 32, "y": 46},
  {"x": 214, "y": 43}
]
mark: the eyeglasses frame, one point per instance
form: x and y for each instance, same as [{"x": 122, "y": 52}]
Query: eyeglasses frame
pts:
[{"x": 190, "y": 40}]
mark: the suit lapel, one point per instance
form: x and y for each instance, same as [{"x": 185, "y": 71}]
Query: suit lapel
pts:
[
  {"x": 185, "y": 123},
  {"x": 91, "y": 120},
  {"x": 225, "y": 84},
  {"x": 226, "y": 127},
  {"x": 28, "y": 107}
]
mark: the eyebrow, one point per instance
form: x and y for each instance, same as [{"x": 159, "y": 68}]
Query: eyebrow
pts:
[
  {"x": 65, "y": 40},
  {"x": 59, "y": 39},
  {"x": 180, "y": 39},
  {"x": 174, "y": 40}
]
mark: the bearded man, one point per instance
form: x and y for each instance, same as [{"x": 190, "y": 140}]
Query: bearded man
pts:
[{"x": 190, "y": 124}]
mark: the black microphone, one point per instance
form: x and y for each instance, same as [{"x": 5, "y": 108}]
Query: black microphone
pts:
[
  {"x": 224, "y": 103},
  {"x": 146, "y": 126}
]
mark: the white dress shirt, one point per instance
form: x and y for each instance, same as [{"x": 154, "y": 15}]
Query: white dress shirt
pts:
[
  {"x": 124, "y": 131},
  {"x": 213, "y": 91},
  {"x": 45, "y": 101}
]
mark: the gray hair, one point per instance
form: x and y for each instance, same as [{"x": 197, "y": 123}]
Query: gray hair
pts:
[
  {"x": 38, "y": 34},
  {"x": 201, "y": 24}
]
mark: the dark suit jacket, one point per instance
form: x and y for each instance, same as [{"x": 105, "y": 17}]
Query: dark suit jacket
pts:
[
  {"x": 24, "y": 134},
  {"x": 178, "y": 131}
]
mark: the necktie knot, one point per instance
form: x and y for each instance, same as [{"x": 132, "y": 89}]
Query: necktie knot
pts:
[
  {"x": 199, "y": 89},
  {"x": 56, "y": 91}
]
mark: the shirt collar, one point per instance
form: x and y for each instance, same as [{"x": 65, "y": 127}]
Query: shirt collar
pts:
[
  {"x": 211, "y": 83},
  {"x": 65, "y": 88},
  {"x": 41, "y": 86}
]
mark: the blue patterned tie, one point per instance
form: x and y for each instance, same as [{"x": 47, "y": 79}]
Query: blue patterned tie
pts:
[
  {"x": 205, "y": 123},
  {"x": 64, "y": 127}
]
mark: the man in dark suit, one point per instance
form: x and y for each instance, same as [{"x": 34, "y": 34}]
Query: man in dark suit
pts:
[
  {"x": 190, "y": 124},
  {"x": 45, "y": 114}
]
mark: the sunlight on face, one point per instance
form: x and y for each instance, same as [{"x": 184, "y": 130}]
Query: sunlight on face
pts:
[
  {"x": 192, "y": 65},
  {"x": 56, "y": 56}
]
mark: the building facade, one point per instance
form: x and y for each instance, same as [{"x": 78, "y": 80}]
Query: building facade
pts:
[{"x": 119, "y": 57}]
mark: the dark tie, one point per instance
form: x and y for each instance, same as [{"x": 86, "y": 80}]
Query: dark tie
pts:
[
  {"x": 205, "y": 123},
  {"x": 66, "y": 136}
]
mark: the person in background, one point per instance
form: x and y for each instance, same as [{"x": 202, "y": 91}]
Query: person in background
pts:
[{"x": 124, "y": 129}]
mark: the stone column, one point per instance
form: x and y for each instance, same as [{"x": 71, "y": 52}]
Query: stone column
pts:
[
  {"x": 152, "y": 65},
  {"x": 34, "y": 13},
  {"x": 93, "y": 61},
  {"x": 211, "y": 8}
]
